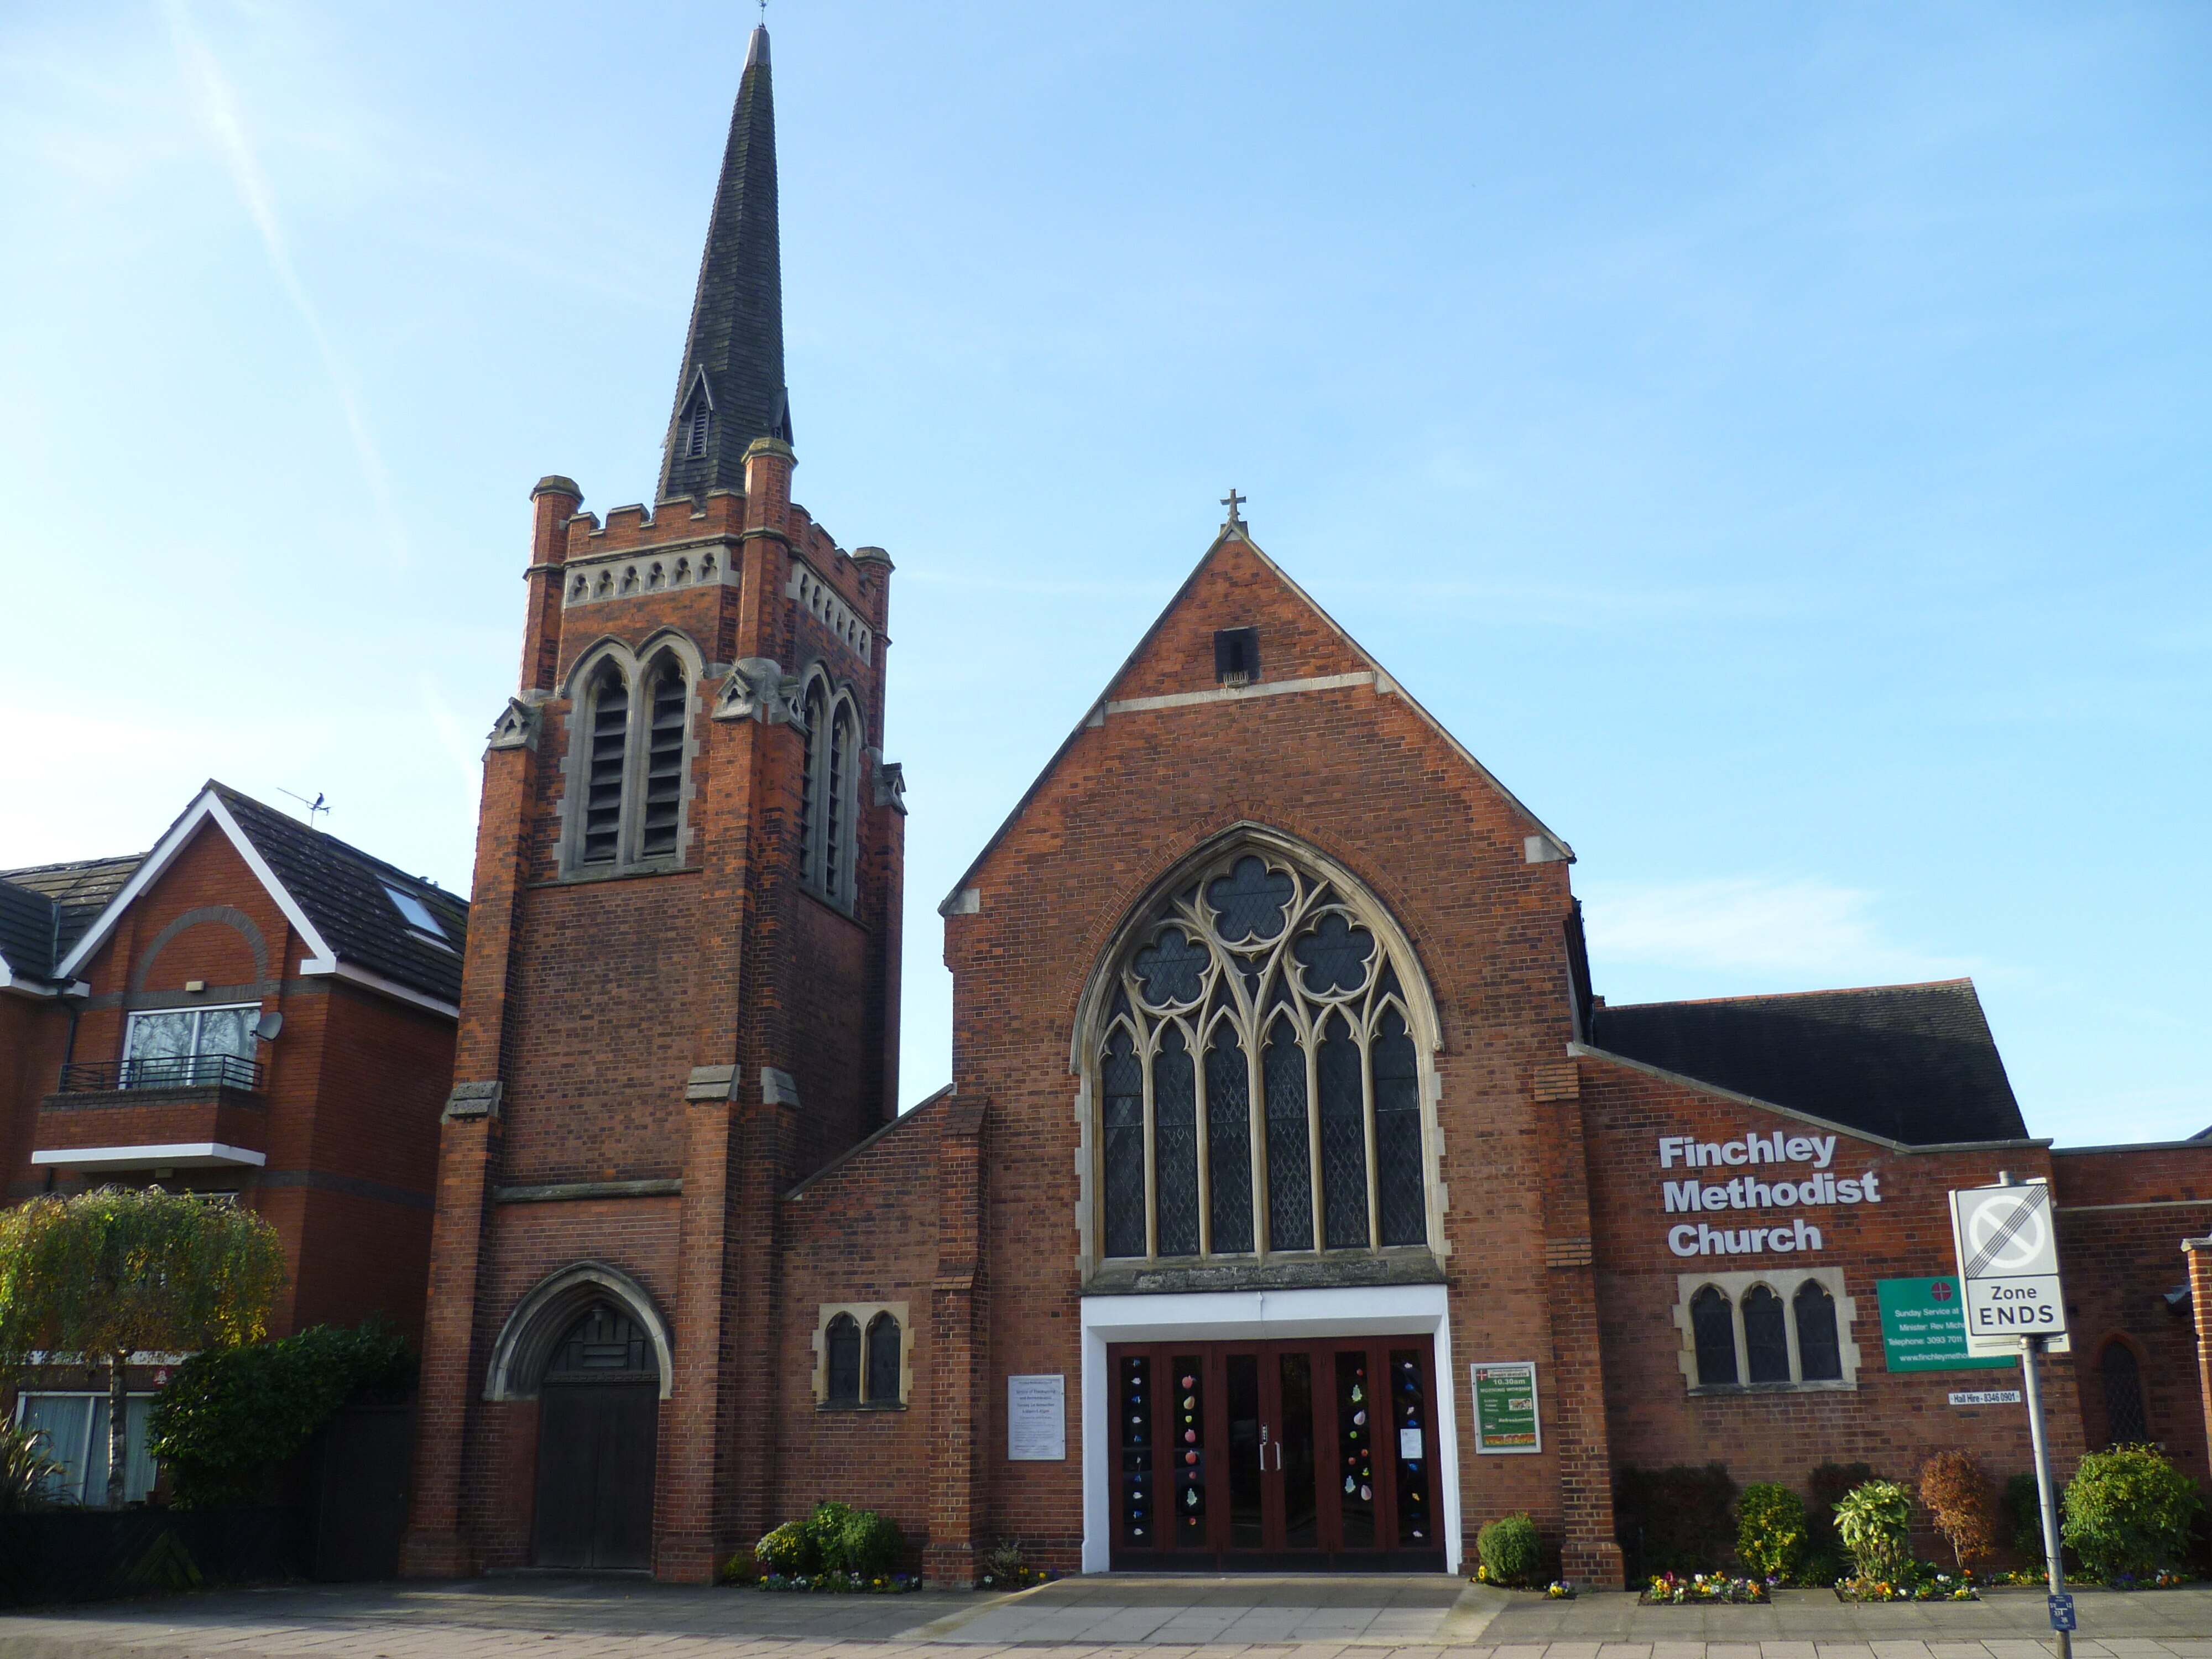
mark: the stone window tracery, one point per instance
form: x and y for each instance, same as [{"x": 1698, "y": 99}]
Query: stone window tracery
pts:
[
  {"x": 863, "y": 1356},
  {"x": 1783, "y": 1328},
  {"x": 1256, "y": 1081},
  {"x": 629, "y": 763}
]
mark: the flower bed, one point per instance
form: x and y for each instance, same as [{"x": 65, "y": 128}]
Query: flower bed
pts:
[
  {"x": 1925, "y": 1585},
  {"x": 1017, "y": 1578},
  {"x": 1702, "y": 1589},
  {"x": 839, "y": 1583}
]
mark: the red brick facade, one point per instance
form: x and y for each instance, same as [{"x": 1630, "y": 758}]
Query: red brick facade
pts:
[{"x": 344, "y": 1118}]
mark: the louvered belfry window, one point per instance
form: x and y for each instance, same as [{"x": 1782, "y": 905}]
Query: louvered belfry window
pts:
[
  {"x": 609, "y": 738},
  {"x": 831, "y": 733},
  {"x": 664, "y": 762},
  {"x": 1258, "y": 1083},
  {"x": 695, "y": 436}
]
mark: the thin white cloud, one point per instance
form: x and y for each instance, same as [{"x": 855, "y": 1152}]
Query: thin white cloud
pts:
[
  {"x": 1798, "y": 933},
  {"x": 218, "y": 105}
]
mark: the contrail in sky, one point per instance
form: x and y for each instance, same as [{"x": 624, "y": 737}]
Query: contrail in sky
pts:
[{"x": 220, "y": 106}]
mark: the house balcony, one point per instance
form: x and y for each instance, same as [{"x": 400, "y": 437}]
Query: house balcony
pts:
[{"x": 193, "y": 1111}]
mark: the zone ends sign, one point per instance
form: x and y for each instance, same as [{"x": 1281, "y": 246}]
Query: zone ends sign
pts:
[{"x": 2007, "y": 1240}]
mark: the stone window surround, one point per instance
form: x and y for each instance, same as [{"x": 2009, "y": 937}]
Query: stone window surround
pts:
[
  {"x": 839, "y": 700},
  {"x": 637, "y": 666},
  {"x": 862, "y": 1314},
  {"x": 1783, "y": 1281},
  {"x": 1094, "y": 1015}
]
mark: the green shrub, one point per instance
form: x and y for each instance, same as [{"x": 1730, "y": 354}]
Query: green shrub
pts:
[
  {"x": 1512, "y": 1550},
  {"x": 2128, "y": 1511},
  {"x": 1830, "y": 1481},
  {"x": 873, "y": 1543},
  {"x": 1675, "y": 1520},
  {"x": 1770, "y": 1530},
  {"x": 229, "y": 1412},
  {"x": 825, "y": 1529},
  {"x": 789, "y": 1550},
  {"x": 1876, "y": 1521}
]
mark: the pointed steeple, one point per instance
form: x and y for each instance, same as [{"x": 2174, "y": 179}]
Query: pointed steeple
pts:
[{"x": 731, "y": 390}]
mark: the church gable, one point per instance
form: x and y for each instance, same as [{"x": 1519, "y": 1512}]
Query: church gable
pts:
[{"x": 1243, "y": 655}]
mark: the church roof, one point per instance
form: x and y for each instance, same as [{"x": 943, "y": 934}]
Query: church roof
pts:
[
  {"x": 1915, "y": 1064},
  {"x": 733, "y": 356}
]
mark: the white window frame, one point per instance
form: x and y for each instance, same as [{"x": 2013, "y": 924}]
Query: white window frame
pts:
[
  {"x": 1784, "y": 1282},
  {"x": 95, "y": 1435}
]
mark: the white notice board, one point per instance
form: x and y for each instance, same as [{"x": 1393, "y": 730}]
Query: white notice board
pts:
[{"x": 1037, "y": 1418}]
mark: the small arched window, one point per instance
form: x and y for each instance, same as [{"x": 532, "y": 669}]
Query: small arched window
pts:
[
  {"x": 883, "y": 1383},
  {"x": 664, "y": 759},
  {"x": 606, "y": 757},
  {"x": 841, "y": 1350},
  {"x": 1713, "y": 1323},
  {"x": 1820, "y": 1355},
  {"x": 1765, "y": 1335},
  {"x": 2126, "y": 1422}
]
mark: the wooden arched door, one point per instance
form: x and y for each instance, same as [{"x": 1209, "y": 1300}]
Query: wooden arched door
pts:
[{"x": 598, "y": 1438}]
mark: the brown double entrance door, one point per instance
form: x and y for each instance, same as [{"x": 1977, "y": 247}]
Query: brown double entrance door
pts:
[{"x": 1317, "y": 1454}]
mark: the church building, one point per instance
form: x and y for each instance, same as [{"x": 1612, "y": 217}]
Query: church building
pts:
[{"x": 1296, "y": 1202}]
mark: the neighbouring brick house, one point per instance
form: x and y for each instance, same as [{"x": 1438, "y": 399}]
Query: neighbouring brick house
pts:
[
  {"x": 1282, "y": 1104},
  {"x": 253, "y": 1010}
]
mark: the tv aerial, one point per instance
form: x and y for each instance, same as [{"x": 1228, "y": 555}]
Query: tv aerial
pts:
[{"x": 314, "y": 806}]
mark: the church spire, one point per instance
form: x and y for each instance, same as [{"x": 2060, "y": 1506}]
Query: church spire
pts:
[{"x": 731, "y": 390}]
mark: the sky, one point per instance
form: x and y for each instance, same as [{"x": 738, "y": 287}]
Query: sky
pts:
[{"x": 1776, "y": 439}]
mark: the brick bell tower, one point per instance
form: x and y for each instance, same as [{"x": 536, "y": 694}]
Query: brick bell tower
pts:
[{"x": 681, "y": 988}]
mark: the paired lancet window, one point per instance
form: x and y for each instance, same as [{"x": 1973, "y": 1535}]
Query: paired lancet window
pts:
[
  {"x": 863, "y": 1356},
  {"x": 1258, "y": 1083},
  {"x": 831, "y": 728},
  {"x": 633, "y": 725}
]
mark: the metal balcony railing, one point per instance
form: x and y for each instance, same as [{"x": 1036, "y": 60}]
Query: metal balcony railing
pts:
[{"x": 167, "y": 1072}]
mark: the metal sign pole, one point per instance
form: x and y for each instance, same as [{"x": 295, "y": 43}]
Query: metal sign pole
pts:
[{"x": 2032, "y": 1350}]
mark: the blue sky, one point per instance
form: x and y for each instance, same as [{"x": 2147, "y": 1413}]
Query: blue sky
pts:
[{"x": 1774, "y": 439}]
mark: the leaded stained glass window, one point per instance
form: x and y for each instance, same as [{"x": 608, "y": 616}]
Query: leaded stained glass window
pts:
[
  {"x": 1260, "y": 990},
  {"x": 842, "y": 1347}
]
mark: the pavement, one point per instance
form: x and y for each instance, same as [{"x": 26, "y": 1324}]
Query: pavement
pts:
[{"x": 1100, "y": 1617}]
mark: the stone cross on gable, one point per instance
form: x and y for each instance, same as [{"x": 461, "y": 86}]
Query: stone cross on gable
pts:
[{"x": 1232, "y": 500}]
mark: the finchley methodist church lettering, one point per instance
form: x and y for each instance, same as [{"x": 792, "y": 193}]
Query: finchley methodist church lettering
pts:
[{"x": 1747, "y": 1191}]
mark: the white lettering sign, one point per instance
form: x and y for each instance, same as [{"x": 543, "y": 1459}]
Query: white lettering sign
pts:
[
  {"x": 1815, "y": 1187},
  {"x": 1037, "y": 1418},
  {"x": 1986, "y": 1396}
]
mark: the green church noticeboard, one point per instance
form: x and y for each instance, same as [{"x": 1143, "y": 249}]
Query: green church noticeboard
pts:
[
  {"x": 1505, "y": 1408},
  {"x": 1924, "y": 1328}
]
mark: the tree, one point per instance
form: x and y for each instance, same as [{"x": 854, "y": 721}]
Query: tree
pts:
[{"x": 114, "y": 1272}]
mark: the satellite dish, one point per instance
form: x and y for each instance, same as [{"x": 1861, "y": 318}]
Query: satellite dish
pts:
[{"x": 267, "y": 1027}]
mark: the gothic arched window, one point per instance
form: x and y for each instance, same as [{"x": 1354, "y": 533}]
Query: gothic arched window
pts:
[
  {"x": 1820, "y": 1355},
  {"x": 671, "y": 696},
  {"x": 1713, "y": 1323},
  {"x": 883, "y": 1360},
  {"x": 1765, "y": 1335},
  {"x": 2126, "y": 1424},
  {"x": 606, "y": 763},
  {"x": 1258, "y": 1083},
  {"x": 831, "y": 730},
  {"x": 841, "y": 1346}
]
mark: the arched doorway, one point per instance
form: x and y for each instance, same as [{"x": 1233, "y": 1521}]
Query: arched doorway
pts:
[{"x": 599, "y": 1435}]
